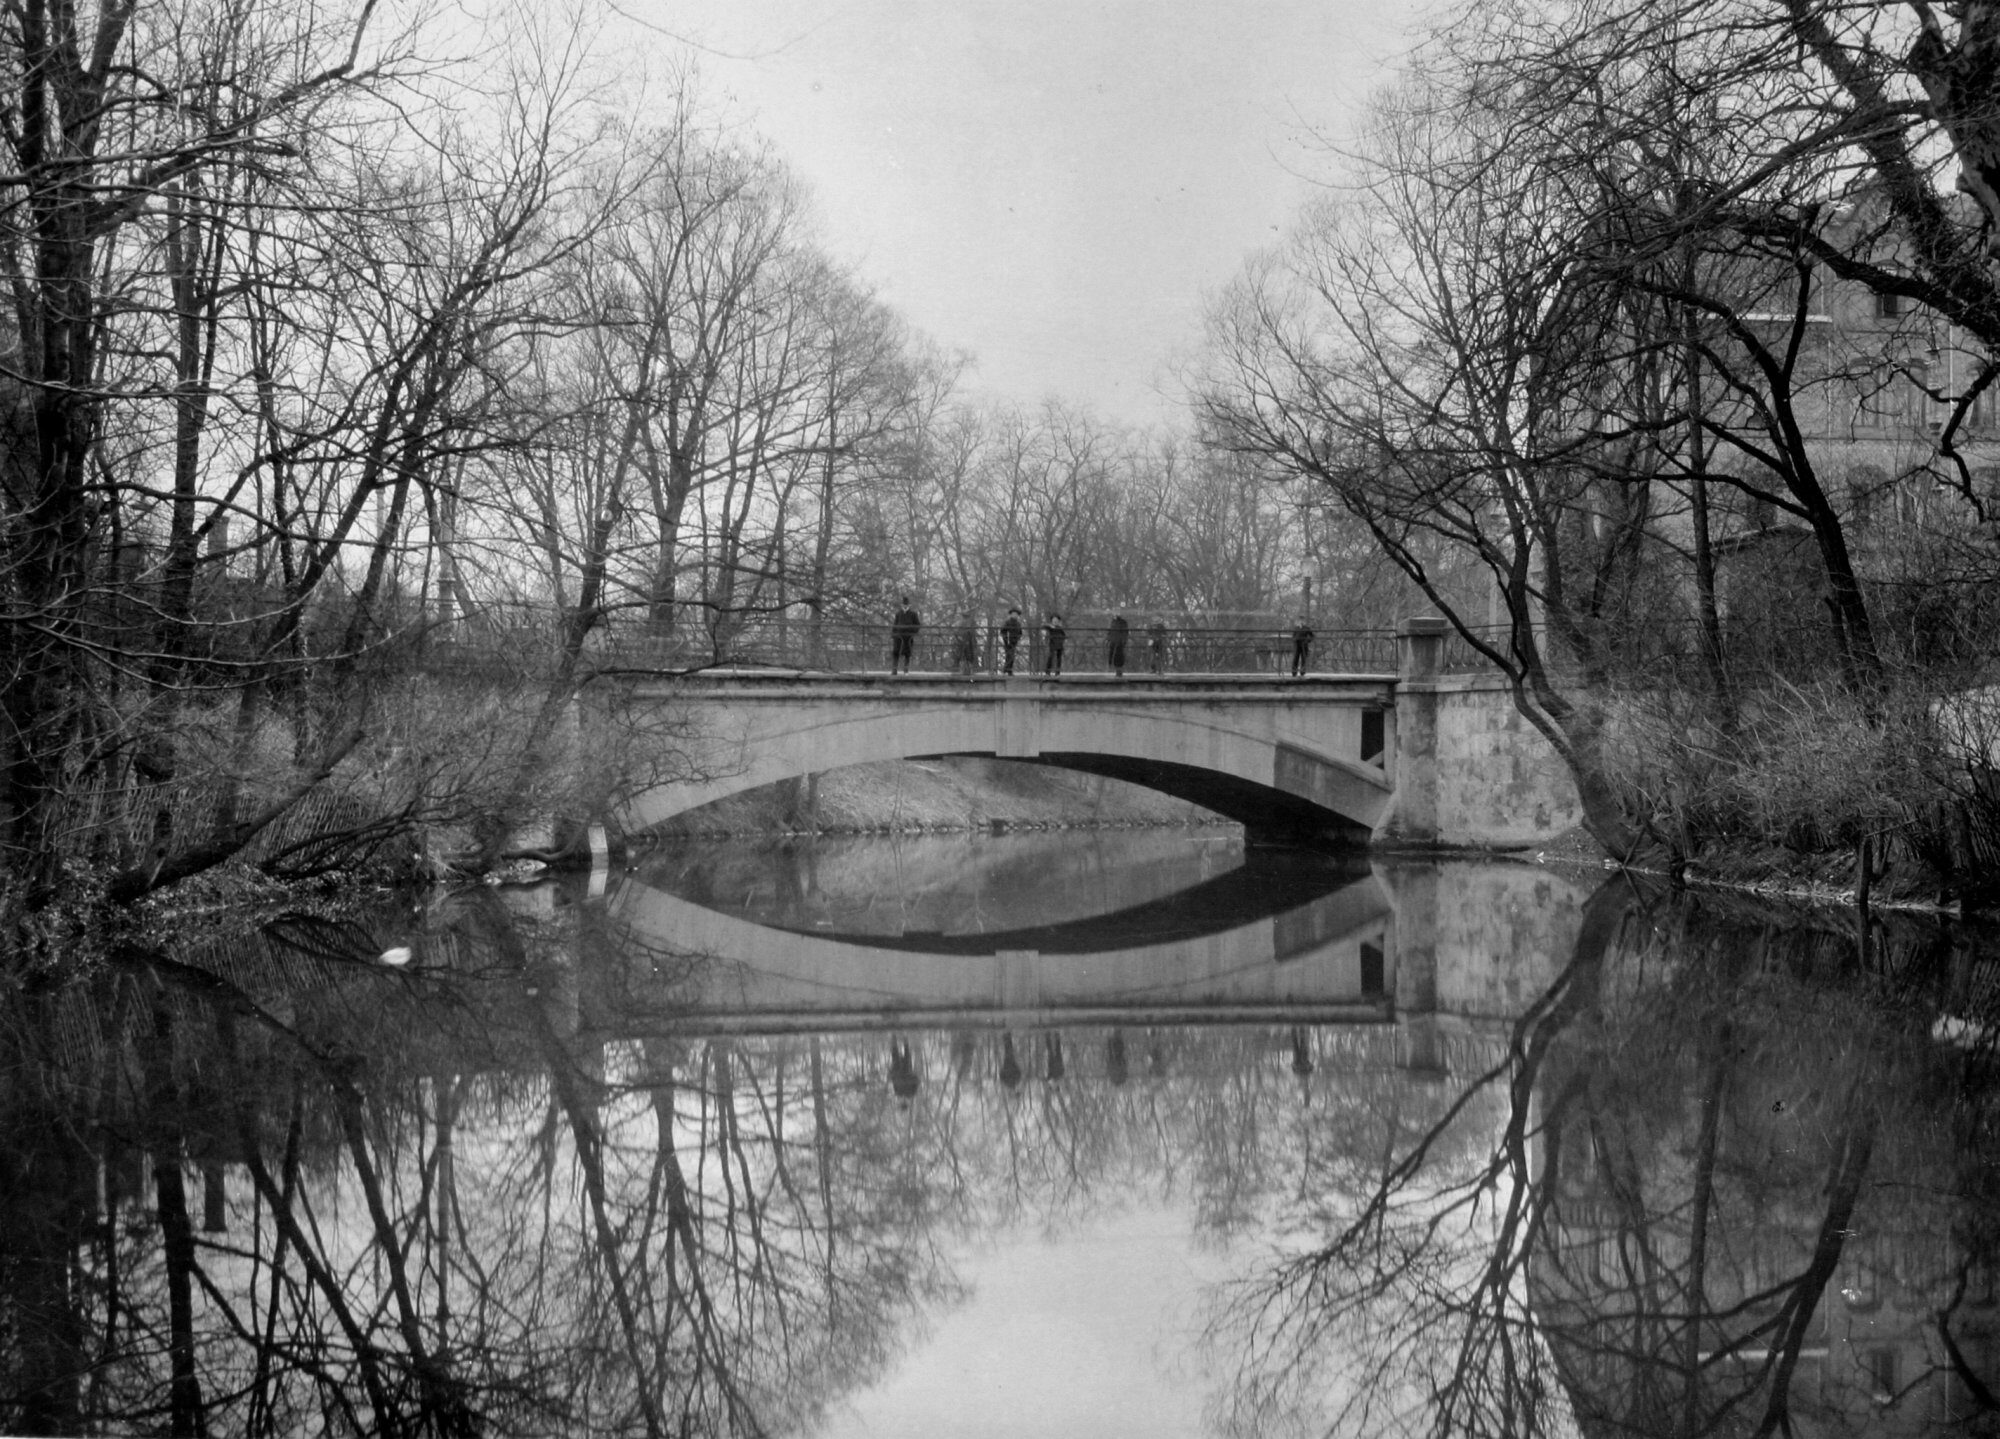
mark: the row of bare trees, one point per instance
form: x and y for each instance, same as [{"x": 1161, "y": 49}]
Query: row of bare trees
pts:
[
  {"x": 1620, "y": 314},
  {"x": 1054, "y": 510},
  {"x": 272, "y": 275},
  {"x": 330, "y": 330}
]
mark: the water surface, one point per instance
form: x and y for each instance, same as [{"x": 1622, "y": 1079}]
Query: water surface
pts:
[{"x": 1426, "y": 1149}]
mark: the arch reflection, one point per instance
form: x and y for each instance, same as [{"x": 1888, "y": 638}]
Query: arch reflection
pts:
[{"x": 1274, "y": 936}]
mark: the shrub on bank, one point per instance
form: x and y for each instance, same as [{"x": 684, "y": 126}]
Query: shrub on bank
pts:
[
  {"x": 1815, "y": 781},
  {"x": 436, "y": 766}
]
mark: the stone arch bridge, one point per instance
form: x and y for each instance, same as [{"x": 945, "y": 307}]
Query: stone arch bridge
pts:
[{"x": 1411, "y": 758}]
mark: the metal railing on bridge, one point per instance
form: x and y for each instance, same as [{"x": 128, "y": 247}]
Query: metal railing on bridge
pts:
[
  {"x": 865, "y": 647},
  {"x": 526, "y": 639},
  {"x": 530, "y": 641}
]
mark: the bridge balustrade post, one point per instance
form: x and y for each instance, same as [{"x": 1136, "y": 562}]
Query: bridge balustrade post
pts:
[{"x": 1420, "y": 647}]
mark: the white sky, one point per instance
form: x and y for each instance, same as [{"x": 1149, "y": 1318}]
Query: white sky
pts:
[{"x": 1053, "y": 185}]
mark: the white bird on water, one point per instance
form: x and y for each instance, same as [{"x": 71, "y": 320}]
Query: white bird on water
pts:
[{"x": 396, "y": 956}]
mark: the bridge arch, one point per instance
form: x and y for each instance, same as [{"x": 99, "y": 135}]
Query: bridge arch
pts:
[{"x": 1297, "y": 760}]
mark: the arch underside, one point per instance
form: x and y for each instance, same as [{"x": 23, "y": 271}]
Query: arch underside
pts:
[
  {"x": 1266, "y": 813},
  {"x": 1279, "y": 787}
]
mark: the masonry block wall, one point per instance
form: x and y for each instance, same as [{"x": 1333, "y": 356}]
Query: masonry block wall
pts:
[
  {"x": 1470, "y": 771},
  {"x": 1500, "y": 784}
]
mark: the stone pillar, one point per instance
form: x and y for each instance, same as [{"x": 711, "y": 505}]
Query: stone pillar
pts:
[
  {"x": 1420, "y": 647},
  {"x": 1412, "y": 817},
  {"x": 578, "y": 826}
]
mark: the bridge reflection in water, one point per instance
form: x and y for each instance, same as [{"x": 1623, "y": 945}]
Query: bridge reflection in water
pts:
[
  {"x": 263, "y": 1185},
  {"x": 1283, "y": 937}
]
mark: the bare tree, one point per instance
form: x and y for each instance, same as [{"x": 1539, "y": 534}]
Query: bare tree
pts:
[
  {"x": 1423, "y": 355},
  {"x": 96, "y": 146}
]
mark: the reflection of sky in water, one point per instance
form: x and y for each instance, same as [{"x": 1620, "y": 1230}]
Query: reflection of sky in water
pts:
[{"x": 1092, "y": 1333}]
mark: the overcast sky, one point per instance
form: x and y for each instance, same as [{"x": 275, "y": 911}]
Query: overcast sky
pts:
[{"x": 1052, "y": 185}]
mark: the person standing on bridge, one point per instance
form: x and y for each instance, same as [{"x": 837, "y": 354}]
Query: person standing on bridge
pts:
[
  {"x": 1010, "y": 638},
  {"x": 965, "y": 647},
  {"x": 903, "y": 637},
  {"x": 1114, "y": 645},
  {"x": 1302, "y": 638},
  {"x": 1057, "y": 637},
  {"x": 1156, "y": 638}
]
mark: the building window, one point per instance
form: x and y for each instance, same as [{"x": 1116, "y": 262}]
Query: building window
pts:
[
  {"x": 1980, "y": 1290},
  {"x": 1916, "y": 395},
  {"x": 1864, "y": 483},
  {"x": 1888, "y": 307},
  {"x": 1860, "y": 1291},
  {"x": 1880, "y": 1366}
]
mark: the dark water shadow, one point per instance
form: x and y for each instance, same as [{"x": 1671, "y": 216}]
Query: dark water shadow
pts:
[{"x": 1269, "y": 883}]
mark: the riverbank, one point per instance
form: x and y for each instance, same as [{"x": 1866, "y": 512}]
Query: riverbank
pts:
[{"x": 1767, "y": 875}]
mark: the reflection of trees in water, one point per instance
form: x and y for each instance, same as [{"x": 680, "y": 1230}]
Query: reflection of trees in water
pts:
[
  {"x": 270, "y": 1189},
  {"x": 1716, "y": 1181},
  {"x": 1054, "y": 1128},
  {"x": 1735, "y": 1189},
  {"x": 428, "y": 1212}
]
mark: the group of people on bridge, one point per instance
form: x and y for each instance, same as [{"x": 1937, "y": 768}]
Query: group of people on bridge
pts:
[{"x": 907, "y": 624}]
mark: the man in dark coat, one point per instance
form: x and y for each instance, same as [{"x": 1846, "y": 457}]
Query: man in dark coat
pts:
[
  {"x": 1115, "y": 641},
  {"x": 965, "y": 647},
  {"x": 903, "y": 637},
  {"x": 1057, "y": 637},
  {"x": 1302, "y": 638},
  {"x": 1010, "y": 638}
]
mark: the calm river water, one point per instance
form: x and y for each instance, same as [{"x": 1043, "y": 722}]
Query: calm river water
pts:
[{"x": 1041, "y": 1135}]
